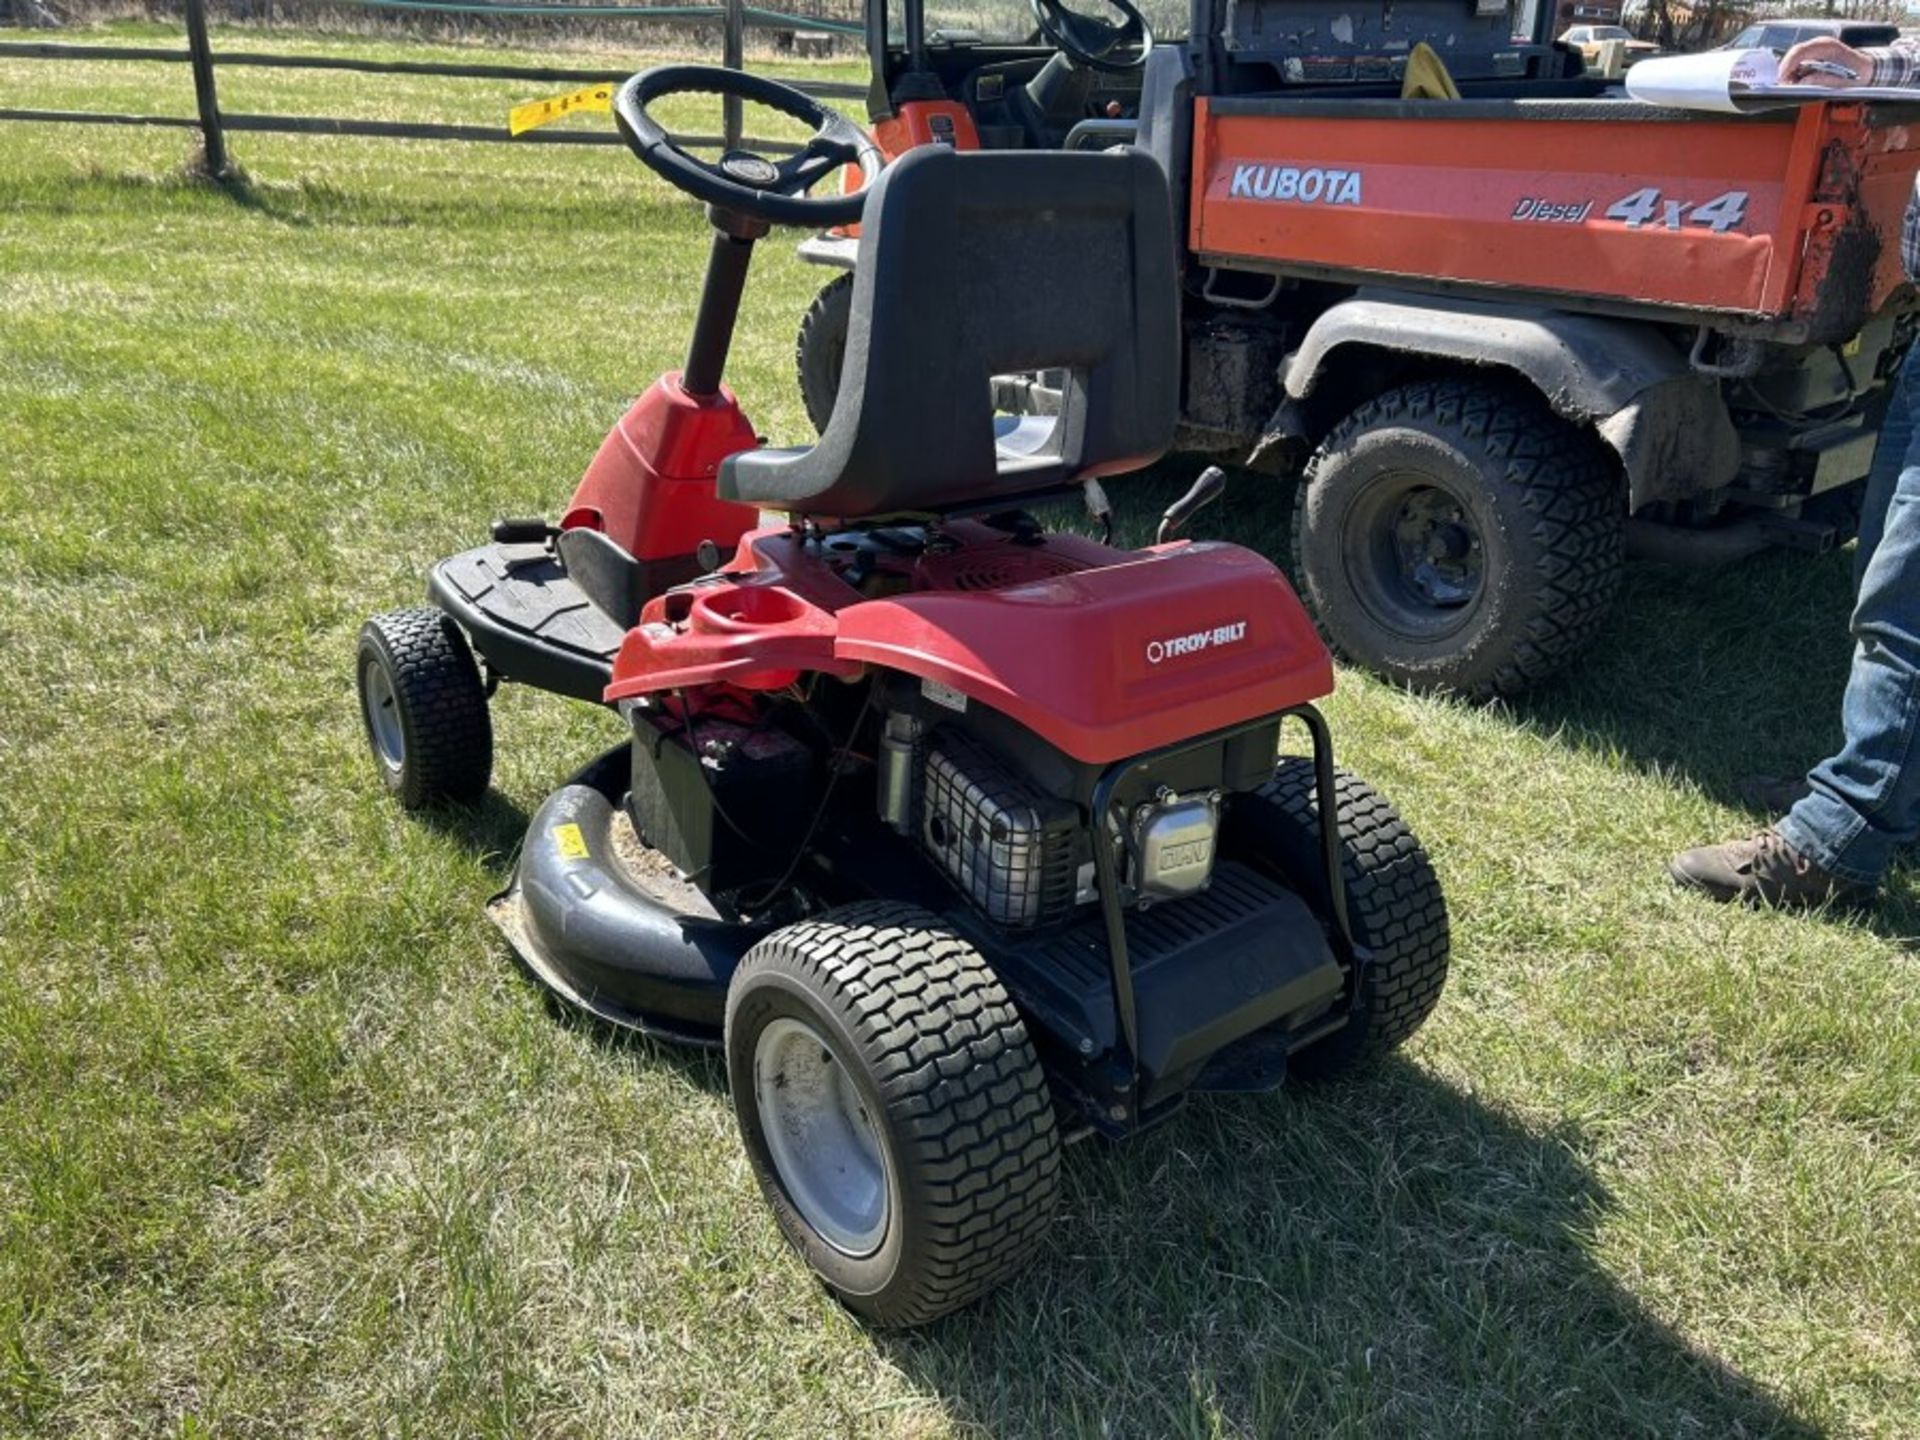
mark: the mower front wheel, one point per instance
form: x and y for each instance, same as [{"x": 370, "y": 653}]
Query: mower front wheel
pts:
[
  {"x": 1394, "y": 903},
  {"x": 424, "y": 708},
  {"x": 893, "y": 1109}
]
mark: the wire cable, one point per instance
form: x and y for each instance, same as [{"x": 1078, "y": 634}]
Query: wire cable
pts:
[{"x": 826, "y": 799}]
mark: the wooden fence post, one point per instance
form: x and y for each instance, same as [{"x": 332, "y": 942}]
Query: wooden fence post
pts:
[
  {"x": 733, "y": 48},
  {"x": 213, "y": 139}
]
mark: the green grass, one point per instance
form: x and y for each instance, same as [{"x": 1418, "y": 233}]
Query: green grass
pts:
[{"x": 288, "y": 1147}]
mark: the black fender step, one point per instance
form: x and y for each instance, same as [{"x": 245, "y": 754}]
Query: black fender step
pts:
[{"x": 528, "y": 619}]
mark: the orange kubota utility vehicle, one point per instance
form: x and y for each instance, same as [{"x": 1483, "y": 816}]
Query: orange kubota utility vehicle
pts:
[{"x": 1503, "y": 339}]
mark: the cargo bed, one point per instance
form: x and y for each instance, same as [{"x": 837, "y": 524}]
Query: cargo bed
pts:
[{"x": 1789, "y": 219}]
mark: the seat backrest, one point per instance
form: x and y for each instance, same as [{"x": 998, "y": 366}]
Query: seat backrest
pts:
[{"x": 981, "y": 264}]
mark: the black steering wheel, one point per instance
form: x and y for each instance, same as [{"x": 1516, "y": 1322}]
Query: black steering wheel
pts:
[
  {"x": 740, "y": 180},
  {"x": 1092, "y": 42}
]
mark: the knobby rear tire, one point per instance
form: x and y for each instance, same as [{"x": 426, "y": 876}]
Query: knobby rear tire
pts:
[
  {"x": 944, "y": 1061},
  {"x": 1545, "y": 503},
  {"x": 1394, "y": 903}
]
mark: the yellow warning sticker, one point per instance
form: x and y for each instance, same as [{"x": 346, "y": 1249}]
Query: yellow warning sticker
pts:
[
  {"x": 535, "y": 113},
  {"x": 572, "y": 843}
]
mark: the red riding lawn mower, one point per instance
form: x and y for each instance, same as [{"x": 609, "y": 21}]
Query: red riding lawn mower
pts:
[{"x": 963, "y": 838}]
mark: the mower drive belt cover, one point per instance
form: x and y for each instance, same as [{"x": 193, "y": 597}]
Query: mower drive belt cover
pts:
[{"x": 610, "y": 928}]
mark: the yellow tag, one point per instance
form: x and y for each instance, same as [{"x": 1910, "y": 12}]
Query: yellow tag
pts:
[
  {"x": 573, "y": 845},
  {"x": 1426, "y": 77},
  {"x": 538, "y": 112},
  {"x": 1852, "y": 347}
]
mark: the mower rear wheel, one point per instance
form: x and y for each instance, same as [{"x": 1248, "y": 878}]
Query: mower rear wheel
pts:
[
  {"x": 893, "y": 1109},
  {"x": 424, "y": 708},
  {"x": 821, "y": 348},
  {"x": 1394, "y": 903},
  {"x": 1457, "y": 535}
]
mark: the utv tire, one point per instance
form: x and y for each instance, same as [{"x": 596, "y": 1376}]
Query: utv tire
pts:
[
  {"x": 821, "y": 348},
  {"x": 893, "y": 1109},
  {"x": 1394, "y": 903},
  {"x": 1458, "y": 536},
  {"x": 424, "y": 708}
]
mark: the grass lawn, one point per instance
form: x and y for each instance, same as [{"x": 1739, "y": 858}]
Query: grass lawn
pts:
[{"x": 288, "y": 1147}]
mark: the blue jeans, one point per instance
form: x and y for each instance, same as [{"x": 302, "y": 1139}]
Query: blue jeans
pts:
[{"x": 1865, "y": 801}]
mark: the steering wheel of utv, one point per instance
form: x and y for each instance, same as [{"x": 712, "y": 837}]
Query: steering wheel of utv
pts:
[
  {"x": 1092, "y": 42},
  {"x": 740, "y": 180}
]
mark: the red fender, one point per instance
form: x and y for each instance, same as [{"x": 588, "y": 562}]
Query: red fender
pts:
[{"x": 1104, "y": 662}]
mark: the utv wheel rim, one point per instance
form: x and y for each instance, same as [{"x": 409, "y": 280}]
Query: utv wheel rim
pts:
[
  {"x": 1414, "y": 556},
  {"x": 1437, "y": 548},
  {"x": 382, "y": 705},
  {"x": 822, "y": 1137}
]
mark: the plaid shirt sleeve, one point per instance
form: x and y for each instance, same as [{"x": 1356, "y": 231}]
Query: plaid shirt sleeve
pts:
[
  {"x": 1899, "y": 64},
  {"x": 1895, "y": 64},
  {"x": 1910, "y": 237}
]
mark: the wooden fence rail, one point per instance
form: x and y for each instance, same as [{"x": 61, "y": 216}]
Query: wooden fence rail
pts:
[{"x": 735, "y": 16}]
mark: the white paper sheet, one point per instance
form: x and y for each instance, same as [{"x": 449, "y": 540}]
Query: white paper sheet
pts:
[{"x": 1738, "y": 82}]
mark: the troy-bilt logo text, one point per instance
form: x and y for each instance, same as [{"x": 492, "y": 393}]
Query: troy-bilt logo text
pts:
[
  {"x": 1291, "y": 183},
  {"x": 1177, "y": 645}
]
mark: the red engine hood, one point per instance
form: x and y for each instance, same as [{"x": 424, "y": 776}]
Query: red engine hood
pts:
[{"x": 1111, "y": 662}]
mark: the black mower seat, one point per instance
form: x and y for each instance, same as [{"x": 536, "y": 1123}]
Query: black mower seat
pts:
[{"x": 974, "y": 265}]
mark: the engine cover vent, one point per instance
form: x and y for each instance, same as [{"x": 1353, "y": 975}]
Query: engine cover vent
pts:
[{"x": 992, "y": 567}]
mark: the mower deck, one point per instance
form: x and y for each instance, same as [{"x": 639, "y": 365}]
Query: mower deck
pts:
[
  {"x": 527, "y": 619},
  {"x": 623, "y": 939}
]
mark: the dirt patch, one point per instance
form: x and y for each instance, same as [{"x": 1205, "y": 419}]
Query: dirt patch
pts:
[{"x": 653, "y": 873}]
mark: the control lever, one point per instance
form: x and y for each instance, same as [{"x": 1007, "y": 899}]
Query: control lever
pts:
[
  {"x": 1099, "y": 508},
  {"x": 1211, "y": 485},
  {"x": 522, "y": 531}
]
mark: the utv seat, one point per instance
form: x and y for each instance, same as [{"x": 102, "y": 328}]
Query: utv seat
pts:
[{"x": 975, "y": 265}]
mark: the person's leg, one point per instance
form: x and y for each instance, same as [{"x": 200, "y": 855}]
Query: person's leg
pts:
[
  {"x": 1863, "y": 804},
  {"x": 1893, "y": 453},
  {"x": 1777, "y": 794},
  {"x": 1865, "y": 801}
]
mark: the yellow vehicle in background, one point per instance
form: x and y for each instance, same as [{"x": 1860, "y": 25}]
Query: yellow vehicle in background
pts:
[{"x": 1588, "y": 39}]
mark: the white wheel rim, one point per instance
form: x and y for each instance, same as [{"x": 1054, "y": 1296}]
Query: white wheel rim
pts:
[
  {"x": 382, "y": 707},
  {"x": 825, "y": 1144}
]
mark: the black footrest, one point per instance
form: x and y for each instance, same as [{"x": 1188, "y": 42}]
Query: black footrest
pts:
[
  {"x": 1207, "y": 970},
  {"x": 527, "y": 619}
]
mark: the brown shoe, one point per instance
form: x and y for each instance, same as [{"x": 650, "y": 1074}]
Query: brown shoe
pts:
[
  {"x": 1774, "y": 794},
  {"x": 1761, "y": 870}
]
